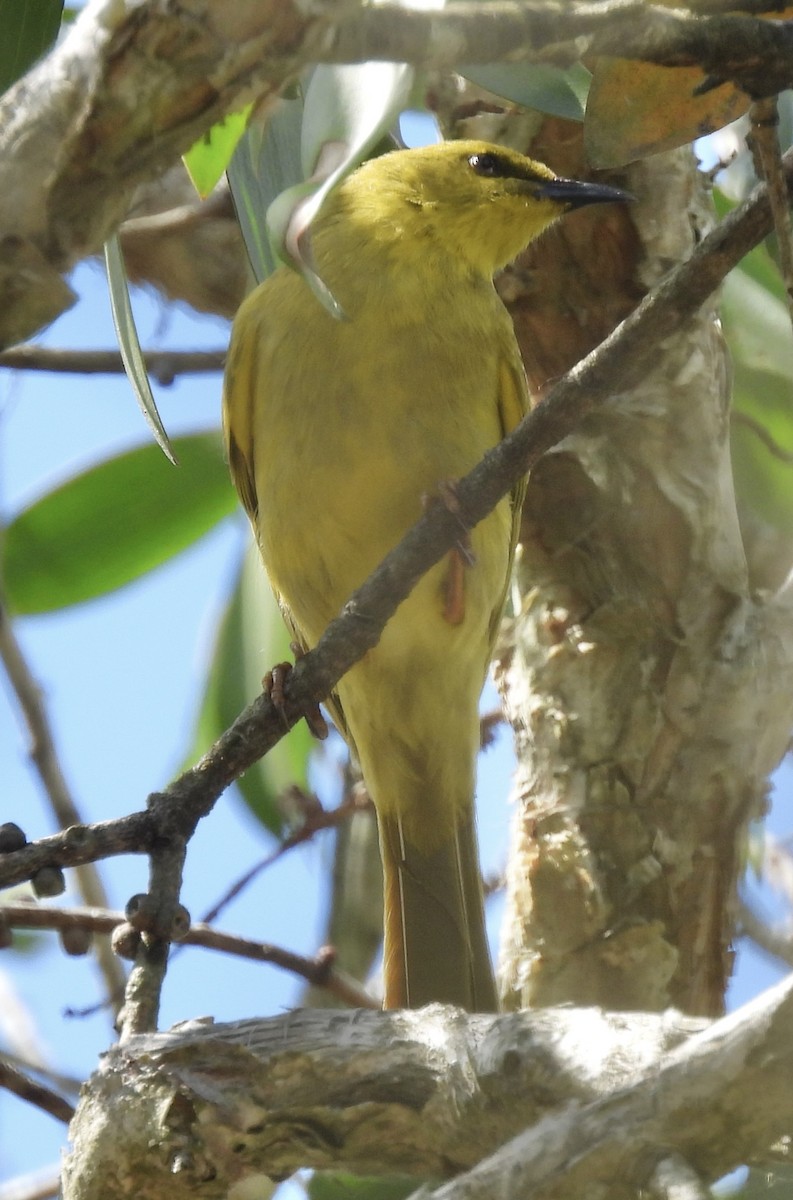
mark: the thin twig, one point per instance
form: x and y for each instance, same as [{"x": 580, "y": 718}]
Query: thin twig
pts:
[
  {"x": 57, "y": 1080},
  {"x": 30, "y": 1090},
  {"x": 44, "y": 757},
  {"x": 162, "y": 365},
  {"x": 144, "y": 986},
  {"x": 759, "y": 430},
  {"x": 318, "y": 970},
  {"x": 619, "y": 363},
  {"x": 182, "y": 218},
  {"x": 764, "y": 144},
  {"x": 488, "y": 724},
  {"x": 316, "y": 820}
]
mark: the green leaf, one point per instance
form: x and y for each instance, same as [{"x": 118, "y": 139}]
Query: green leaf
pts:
[
  {"x": 554, "y": 90},
  {"x": 758, "y": 330},
  {"x": 252, "y": 637},
  {"x": 339, "y": 1185},
  {"x": 208, "y": 158},
  {"x": 29, "y": 27},
  {"x": 129, "y": 345},
  {"x": 113, "y": 523},
  {"x": 348, "y": 109},
  {"x": 763, "y": 480},
  {"x": 265, "y": 163},
  {"x": 757, "y": 325}
]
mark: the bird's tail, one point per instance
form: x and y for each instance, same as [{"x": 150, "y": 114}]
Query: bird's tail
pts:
[{"x": 435, "y": 941}]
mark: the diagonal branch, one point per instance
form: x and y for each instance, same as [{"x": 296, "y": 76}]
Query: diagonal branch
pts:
[
  {"x": 34, "y": 1092},
  {"x": 618, "y": 363}
]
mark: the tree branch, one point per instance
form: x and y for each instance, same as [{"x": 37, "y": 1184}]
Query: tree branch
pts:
[
  {"x": 224, "y": 1102},
  {"x": 132, "y": 87},
  {"x": 144, "y": 986},
  {"x": 38, "y": 1094},
  {"x": 618, "y": 363},
  {"x": 162, "y": 365},
  {"x": 318, "y": 971},
  {"x": 754, "y": 54}
]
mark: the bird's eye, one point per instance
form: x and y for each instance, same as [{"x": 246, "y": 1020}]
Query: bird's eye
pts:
[{"x": 487, "y": 164}]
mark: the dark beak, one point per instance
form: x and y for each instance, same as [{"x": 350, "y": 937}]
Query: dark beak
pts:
[{"x": 576, "y": 194}]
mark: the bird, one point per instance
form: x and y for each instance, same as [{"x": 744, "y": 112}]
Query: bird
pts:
[{"x": 339, "y": 433}]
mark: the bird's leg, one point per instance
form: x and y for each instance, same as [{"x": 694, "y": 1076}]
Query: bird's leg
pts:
[
  {"x": 273, "y": 683},
  {"x": 459, "y": 557}
]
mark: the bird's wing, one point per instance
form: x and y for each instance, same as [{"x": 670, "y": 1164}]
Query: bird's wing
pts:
[
  {"x": 239, "y": 408},
  {"x": 513, "y": 403},
  {"x": 239, "y": 400}
]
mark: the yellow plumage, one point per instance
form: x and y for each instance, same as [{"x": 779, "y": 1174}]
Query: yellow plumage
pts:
[{"x": 338, "y": 433}]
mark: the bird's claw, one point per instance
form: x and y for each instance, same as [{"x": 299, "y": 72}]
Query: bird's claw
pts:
[{"x": 273, "y": 683}]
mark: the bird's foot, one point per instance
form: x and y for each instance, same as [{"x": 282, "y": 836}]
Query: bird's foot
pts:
[
  {"x": 459, "y": 557},
  {"x": 273, "y": 683}
]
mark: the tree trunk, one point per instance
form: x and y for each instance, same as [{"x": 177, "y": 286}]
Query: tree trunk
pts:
[{"x": 649, "y": 690}]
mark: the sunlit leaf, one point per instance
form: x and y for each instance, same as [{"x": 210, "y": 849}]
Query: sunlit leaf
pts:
[
  {"x": 129, "y": 345},
  {"x": 113, "y": 523},
  {"x": 553, "y": 90},
  {"x": 209, "y": 157},
  {"x": 636, "y": 109},
  {"x": 251, "y": 638},
  {"x": 29, "y": 27}
]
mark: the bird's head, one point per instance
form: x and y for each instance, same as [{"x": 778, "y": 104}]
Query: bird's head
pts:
[{"x": 479, "y": 203}]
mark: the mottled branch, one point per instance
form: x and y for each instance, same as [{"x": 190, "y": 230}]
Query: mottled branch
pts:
[{"x": 225, "y": 1102}]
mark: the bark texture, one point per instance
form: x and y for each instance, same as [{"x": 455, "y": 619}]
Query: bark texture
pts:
[
  {"x": 590, "y": 1101},
  {"x": 648, "y": 686}
]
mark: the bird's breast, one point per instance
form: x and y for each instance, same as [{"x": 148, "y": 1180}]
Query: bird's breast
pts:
[{"x": 356, "y": 429}]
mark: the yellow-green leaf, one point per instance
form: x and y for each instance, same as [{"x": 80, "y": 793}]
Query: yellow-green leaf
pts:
[{"x": 209, "y": 157}]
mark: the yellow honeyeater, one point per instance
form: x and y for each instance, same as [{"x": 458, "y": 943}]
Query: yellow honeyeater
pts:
[{"x": 338, "y": 431}]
